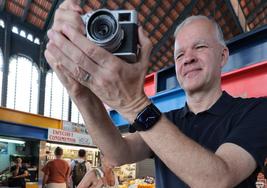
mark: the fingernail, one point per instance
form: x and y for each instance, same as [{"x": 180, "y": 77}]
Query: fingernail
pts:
[{"x": 50, "y": 33}]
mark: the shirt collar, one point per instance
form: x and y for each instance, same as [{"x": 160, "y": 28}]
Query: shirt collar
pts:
[
  {"x": 185, "y": 111},
  {"x": 221, "y": 106}
]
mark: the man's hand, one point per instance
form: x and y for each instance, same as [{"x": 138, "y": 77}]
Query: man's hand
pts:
[
  {"x": 90, "y": 73},
  {"x": 91, "y": 180},
  {"x": 116, "y": 82},
  {"x": 68, "y": 12}
]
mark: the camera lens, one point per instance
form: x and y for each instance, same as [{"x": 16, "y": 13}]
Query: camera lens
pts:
[{"x": 103, "y": 29}]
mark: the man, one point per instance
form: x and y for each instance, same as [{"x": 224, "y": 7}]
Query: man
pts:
[
  {"x": 79, "y": 167},
  {"x": 214, "y": 141},
  {"x": 19, "y": 173},
  {"x": 56, "y": 172}
]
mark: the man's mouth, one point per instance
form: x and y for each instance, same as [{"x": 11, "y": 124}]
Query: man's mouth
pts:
[{"x": 191, "y": 72}]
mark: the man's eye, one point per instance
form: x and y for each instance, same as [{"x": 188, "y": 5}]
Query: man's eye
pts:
[
  {"x": 179, "y": 56},
  {"x": 200, "y": 46}
]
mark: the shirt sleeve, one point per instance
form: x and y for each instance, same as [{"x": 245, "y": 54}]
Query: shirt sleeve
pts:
[
  {"x": 251, "y": 132},
  {"x": 45, "y": 169},
  {"x": 12, "y": 168}
]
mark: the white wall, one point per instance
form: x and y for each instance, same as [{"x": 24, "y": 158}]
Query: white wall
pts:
[{"x": 4, "y": 158}]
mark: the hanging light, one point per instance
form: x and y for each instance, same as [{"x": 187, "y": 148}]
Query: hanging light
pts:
[{"x": 12, "y": 141}]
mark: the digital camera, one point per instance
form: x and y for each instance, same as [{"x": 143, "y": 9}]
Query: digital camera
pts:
[{"x": 114, "y": 30}]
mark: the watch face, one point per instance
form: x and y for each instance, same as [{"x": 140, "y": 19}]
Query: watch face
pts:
[{"x": 147, "y": 118}]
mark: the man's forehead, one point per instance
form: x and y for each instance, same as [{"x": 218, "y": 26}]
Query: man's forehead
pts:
[
  {"x": 179, "y": 45},
  {"x": 195, "y": 27}
]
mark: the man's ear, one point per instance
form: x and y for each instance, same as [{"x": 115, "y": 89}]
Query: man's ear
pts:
[{"x": 225, "y": 56}]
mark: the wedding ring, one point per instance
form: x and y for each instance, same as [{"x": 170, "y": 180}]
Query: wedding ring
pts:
[{"x": 86, "y": 77}]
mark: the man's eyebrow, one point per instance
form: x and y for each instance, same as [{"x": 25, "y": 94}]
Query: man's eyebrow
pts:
[{"x": 201, "y": 41}]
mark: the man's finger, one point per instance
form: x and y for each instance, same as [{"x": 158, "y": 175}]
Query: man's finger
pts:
[
  {"x": 68, "y": 17},
  {"x": 97, "y": 184},
  {"x": 146, "y": 45},
  {"x": 94, "y": 52},
  {"x": 70, "y": 56},
  {"x": 71, "y": 5},
  {"x": 87, "y": 180},
  {"x": 61, "y": 60},
  {"x": 57, "y": 69}
]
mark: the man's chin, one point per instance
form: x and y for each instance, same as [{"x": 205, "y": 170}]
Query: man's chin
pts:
[{"x": 191, "y": 89}]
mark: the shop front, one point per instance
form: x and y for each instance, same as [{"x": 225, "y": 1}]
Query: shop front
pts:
[{"x": 19, "y": 141}]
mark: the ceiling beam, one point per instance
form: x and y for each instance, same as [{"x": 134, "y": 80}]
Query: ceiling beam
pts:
[
  {"x": 50, "y": 17},
  {"x": 235, "y": 17},
  {"x": 239, "y": 13},
  {"x": 3, "y": 5},
  {"x": 260, "y": 6},
  {"x": 188, "y": 9},
  {"x": 26, "y": 10}
]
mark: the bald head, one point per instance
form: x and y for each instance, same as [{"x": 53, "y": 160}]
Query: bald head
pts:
[{"x": 217, "y": 29}]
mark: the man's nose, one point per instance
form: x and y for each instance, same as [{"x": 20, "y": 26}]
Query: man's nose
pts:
[{"x": 189, "y": 57}]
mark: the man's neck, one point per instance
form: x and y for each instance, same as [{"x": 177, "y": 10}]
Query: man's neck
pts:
[{"x": 201, "y": 101}]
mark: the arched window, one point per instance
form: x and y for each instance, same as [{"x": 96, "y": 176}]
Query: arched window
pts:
[
  {"x": 22, "y": 33},
  {"x": 1, "y": 73},
  {"x": 15, "y": 30},
  {"x": 75, "y": 115},
  {"x": 56, "y": 98},
  {"x": 2, "y": 23},
  {"x": 36, "y": 41},
  {"x": 23, "y": 84},
  {"x": 30, "y": 37}
]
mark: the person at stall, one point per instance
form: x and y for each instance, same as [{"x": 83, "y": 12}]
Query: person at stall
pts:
[
  {"x": 56, "y": 172},
  {"x": 19, "y": 174},
  {"x": 79, "y": 167},
  {"x": 215, "y": 140}
]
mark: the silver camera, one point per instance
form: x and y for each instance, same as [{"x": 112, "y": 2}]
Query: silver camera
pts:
[{"x": 114, "y": 30}]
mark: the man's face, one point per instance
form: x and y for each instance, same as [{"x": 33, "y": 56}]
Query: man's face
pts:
[
  {"x": 19, "y": 161},
  {"x": 198, "y": 57}
]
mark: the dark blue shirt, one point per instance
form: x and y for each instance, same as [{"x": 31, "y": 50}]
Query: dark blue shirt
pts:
[
  {"x": 230, "y": 120},
  {"x": 18, "y": 182}
]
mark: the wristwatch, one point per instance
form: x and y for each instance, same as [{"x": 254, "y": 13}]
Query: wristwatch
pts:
[{"x": 145, "y": 119}]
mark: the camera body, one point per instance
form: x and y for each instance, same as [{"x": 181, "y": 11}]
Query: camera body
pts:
[{"x": 114, "y": 30}]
